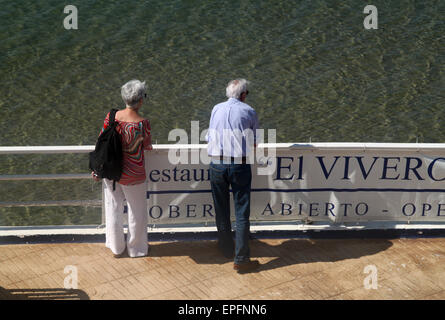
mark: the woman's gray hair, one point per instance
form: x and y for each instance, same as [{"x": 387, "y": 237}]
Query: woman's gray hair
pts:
[
  {"x": 132, "y": 92},
  {"x": 236, "y": 87}
]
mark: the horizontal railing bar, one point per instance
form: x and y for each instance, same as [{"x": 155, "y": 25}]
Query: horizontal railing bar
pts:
[
  {"x": 302, "y": 146},
  {"x": 338, "y": 146},
  {"x": 59, "y": 203},
  {"x": 46, "y": 149},
  {"x": 62, "y": 176}
]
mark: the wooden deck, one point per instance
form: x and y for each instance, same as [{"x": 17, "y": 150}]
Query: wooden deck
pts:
[{"x": 291, "y": 269}]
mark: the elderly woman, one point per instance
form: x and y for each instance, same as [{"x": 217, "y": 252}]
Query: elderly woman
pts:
[{"x": 136, "y": 137}]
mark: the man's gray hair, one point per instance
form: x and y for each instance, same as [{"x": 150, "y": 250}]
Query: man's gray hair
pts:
[
  {"x": 132, "y": 92},
  {"x": 236, "y": 87}
]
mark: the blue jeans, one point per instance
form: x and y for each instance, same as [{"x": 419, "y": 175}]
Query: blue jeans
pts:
[{"x": 239, "y": 177}]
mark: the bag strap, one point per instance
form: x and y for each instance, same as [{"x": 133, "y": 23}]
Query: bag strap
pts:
[
  {"x": 142, "y": 128},
  {"x": 111, "y": 121},
  {"x": 112, "y": 116}
]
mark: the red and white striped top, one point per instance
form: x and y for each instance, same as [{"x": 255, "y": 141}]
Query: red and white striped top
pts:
[{"x": 136, "y": 137}]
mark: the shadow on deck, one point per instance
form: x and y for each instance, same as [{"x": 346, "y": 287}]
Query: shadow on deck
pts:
[
  {"x": 286, "y": 253},
  {"x": 43, "y": 294}
]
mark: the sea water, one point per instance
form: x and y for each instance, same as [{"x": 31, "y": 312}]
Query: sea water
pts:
[{"x": 317, "y": 74}]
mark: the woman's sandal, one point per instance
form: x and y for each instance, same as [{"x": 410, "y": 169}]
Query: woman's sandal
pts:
[{"x": 121, "y": 255}]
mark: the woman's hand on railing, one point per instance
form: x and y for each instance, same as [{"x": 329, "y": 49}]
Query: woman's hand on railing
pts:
[{"x": 95, "y": 176}]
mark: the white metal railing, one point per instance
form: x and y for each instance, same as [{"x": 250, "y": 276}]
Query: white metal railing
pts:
[
  {"x": 63, "y": 176},
  {"x": 15, "y": 150}
]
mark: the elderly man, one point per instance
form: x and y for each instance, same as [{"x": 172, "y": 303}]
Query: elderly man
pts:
[{"x": 231, "y": 139}]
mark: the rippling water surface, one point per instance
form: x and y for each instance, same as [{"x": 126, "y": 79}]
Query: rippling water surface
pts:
[{"x": 316, "y": 74}]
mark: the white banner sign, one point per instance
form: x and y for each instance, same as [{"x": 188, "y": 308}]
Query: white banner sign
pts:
[{"x": 325, "y": 182}]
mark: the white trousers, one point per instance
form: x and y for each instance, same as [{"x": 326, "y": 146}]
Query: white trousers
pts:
[{"x": 136, "y": 196}]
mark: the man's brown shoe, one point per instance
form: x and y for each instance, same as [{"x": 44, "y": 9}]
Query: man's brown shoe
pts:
[{"x": 245, "y": 267}]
